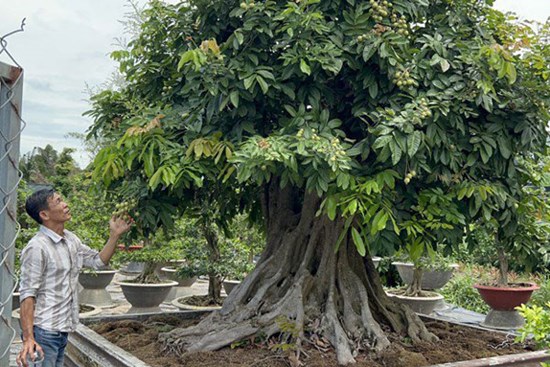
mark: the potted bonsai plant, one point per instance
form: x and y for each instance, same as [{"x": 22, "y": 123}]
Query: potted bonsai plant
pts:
[
  {"x": 235, "y": 252},
  {"x": 146, "y": 291},
  {"x": 501, "y": 295},
  {"x": 412, "y": 294},
  {"x": 517, "y": 227},
  {"x": 435, "y": 221},
  {"x": 437, "y": 270}
]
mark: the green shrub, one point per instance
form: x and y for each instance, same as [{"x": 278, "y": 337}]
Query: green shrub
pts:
[
  {"x": 541, "y": 297},
  {"x": 460, "y": 292},
  {"x": 537, "y": 326}
]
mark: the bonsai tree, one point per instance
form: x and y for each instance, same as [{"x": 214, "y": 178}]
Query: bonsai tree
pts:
[
  {"x": 235, "y": 253},
  {"x": 273, "y": 108},
  {"x": 516, "y": 226}
]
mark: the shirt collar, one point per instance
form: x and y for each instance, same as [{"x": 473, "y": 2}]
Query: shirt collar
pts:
[{"x": 53, "y": 236}]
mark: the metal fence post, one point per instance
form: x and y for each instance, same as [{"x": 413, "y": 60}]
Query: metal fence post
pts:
[{"x": 11, "y": 90}]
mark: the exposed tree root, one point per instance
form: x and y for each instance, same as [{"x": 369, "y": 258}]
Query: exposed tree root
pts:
[{"x": 337, "y": 297}]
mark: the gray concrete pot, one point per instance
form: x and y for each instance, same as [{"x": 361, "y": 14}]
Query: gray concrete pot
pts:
[
  {"x": 431, "y": 279},
  {"x": 183, "y": 283},
  {"x": 376, "y": 260},
  {"x": 229, "y": 285},
  {"x": 133, "y": 268},
  {"x": 145, "y": 297},
  {"x": 93, "y": 288},
  {"x": 423, "y": 305}
]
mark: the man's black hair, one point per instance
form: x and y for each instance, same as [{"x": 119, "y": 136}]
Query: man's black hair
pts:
[{"x": 37, "y": 202}]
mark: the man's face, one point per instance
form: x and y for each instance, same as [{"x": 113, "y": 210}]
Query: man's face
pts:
[{"x": 58, "y": 211}]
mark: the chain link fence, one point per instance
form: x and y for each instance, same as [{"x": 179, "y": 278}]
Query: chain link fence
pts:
[{"x": 11, "y": 125}]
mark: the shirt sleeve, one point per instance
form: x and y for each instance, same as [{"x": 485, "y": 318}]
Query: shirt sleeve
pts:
[
  {"x": 90, "y": 257},
  {"x": 33, "y": 266}
]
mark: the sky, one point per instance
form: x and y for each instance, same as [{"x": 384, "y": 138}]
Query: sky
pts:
[{"x": 65, "y": 48}]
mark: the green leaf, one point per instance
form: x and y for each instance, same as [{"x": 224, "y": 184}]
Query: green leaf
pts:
[
  {"x": 359, "y": 244},
  {"x": 305, "y": 67},
  {"x": 396, "y": 152},
  {"x": 444, "y": 65},
  {"x": 382, "y": 141},
  {"x": 263, "y": 84},
  {"x": 379, "y": 222},
  {"x": 373, "y": 90},
  {"x": 185, "y": 58},
  {"x": 413, "y": 143},
  {"x": 249, "y": 81},
  {"x": 331, "y": 207},
  {"x": 438, "y": 84},
  {"x": 234, "y": 97},
  {"x": 352, "y": 207}
]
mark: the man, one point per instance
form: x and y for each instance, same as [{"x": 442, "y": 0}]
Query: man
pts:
[{"x": 50, "y": 264}]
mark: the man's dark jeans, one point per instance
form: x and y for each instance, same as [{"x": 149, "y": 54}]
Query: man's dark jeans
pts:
[{"x": 53, "y": 343}]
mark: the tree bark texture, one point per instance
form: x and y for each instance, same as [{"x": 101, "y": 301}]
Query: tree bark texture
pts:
[
  {"x": 214, "y": 281},
  {"x": 300, "y": 278}
]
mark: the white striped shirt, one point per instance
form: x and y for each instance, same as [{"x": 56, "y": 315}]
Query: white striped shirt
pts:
[{"x": 50, "y": 265}]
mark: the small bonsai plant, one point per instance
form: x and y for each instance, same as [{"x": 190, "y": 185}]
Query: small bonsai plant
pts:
[
  {"x": 434, "y": 222},
  {"x": 236, "y": 254},
  {"x": 436, "y": 268}
]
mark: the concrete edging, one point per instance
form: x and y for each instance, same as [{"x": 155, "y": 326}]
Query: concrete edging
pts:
[
  {"x": 86, "y": 348},
  {"x": 530, "y": 359}
]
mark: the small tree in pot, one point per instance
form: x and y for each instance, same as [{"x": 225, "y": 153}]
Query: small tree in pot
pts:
[
  {"x": 237, "y": 249},
  {"x": 518, "y": 226}
]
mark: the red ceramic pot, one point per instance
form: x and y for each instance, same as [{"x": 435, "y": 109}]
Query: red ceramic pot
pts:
[{"x": 506, "y": 298}]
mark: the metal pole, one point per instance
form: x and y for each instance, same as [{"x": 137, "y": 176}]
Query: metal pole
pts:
[{"x": 11, "y": 91}]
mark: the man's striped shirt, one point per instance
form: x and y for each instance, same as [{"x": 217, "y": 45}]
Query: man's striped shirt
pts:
[{"x": 50, "y": 265}]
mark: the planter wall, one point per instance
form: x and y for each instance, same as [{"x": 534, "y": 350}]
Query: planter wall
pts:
[{"x": 88, "y": 349}]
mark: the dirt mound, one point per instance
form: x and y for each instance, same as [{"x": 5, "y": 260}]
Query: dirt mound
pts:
[{"x": 456, "y": 343}]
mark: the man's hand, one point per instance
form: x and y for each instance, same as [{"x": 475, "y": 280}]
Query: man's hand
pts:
[
  {"x": 29, "y": 347},
  {"x": 120, "y": 225}
]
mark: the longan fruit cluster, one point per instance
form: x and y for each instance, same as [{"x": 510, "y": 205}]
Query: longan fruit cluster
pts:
[
  {"x": 400, "y": 23},
  {"x": 409, "y": 177},
  {"x": 124, "y": 207},
  {"x": 380, "y": 10},
  {"x": 423, "y": 108},
  {"x": 246, "y": 6},
  {"x": 403, "y": 79}
]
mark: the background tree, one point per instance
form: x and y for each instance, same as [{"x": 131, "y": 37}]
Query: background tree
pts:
[{"x": 374, "y": 112}]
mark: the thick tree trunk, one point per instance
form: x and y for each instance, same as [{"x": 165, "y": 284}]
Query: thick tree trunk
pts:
[{"x": 300, "y": 279}]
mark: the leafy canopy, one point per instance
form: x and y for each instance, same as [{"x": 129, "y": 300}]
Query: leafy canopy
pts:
[{"x": 410, "y": 118}]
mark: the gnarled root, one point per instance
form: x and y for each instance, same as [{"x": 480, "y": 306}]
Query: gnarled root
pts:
[{"x": 299, "y": 278}]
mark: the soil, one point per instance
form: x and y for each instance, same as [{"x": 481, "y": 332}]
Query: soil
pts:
[
  {"x": 201, "y": 301},
  {"x": 84, "y": 308},
  {"x": 456, "y": 343}
]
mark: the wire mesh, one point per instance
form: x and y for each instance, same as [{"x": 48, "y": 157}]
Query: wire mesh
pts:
[{"x": 11, "y": 126}]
